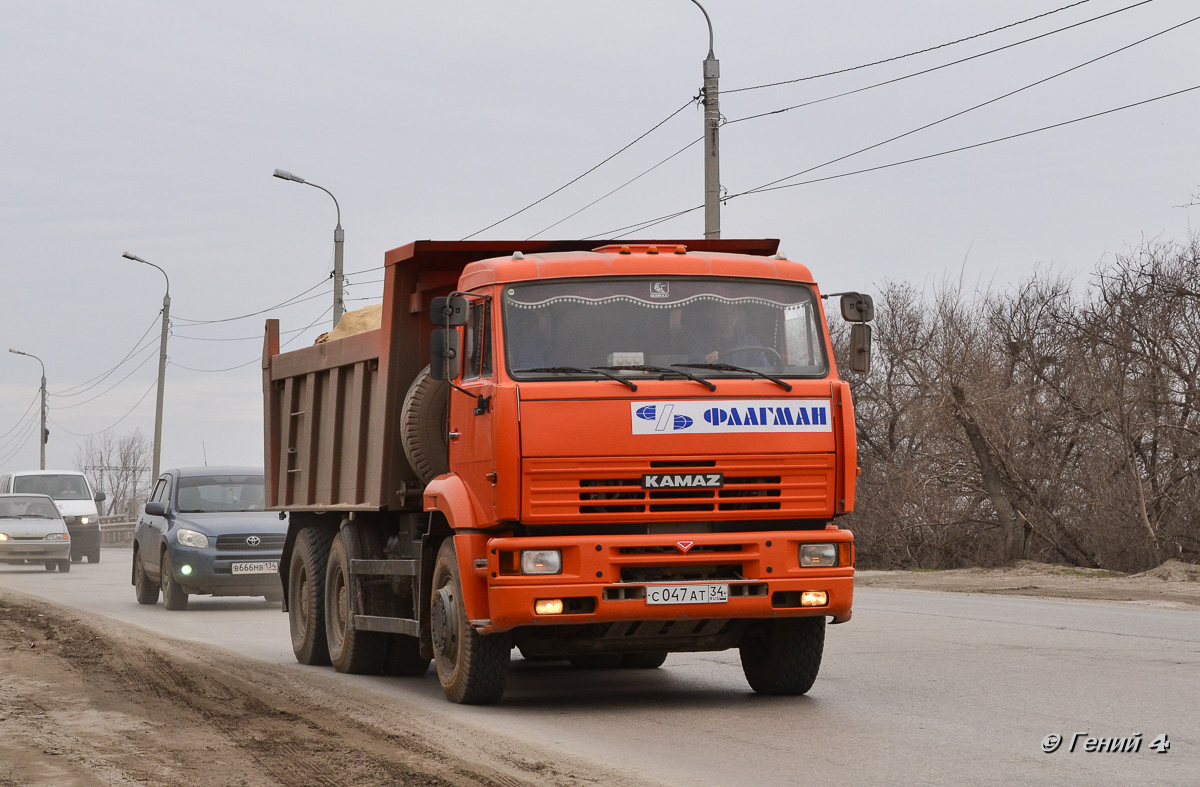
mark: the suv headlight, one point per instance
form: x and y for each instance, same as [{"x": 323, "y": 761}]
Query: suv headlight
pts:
[
  {"x": 818, "y": 555},
  {"x": 191, "y": 538}
]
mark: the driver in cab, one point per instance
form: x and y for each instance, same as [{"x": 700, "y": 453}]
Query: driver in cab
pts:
[{"x": 721, "y": 336}]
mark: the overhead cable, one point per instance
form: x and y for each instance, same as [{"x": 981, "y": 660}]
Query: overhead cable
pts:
[
  {"x": 153, "y": 385},
  {"x": 585, "y": 174},
  {"x": 909, "y": 54}
]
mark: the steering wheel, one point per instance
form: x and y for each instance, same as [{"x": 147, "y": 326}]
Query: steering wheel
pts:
[{"x": 771, "y": 353}]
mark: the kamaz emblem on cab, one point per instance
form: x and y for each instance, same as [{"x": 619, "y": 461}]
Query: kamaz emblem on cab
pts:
[{"x": 683, "y": 481}]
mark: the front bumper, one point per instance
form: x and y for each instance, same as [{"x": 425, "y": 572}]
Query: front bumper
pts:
[
  {"x": 211, "y": 572},
  {"x": 605, "y": 578},
  {"x": 17, "y": 550}
]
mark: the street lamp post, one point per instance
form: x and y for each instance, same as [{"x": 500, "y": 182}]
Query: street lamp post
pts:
[
  {"x": 42, "y": 436},
  {"x": 339, "y": 235},
  {"x": 162, "y": 364},
  {"x": 712, "y": 138}
]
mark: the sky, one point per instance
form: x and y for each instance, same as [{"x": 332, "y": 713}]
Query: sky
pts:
[{"x": 154, "y": 128}]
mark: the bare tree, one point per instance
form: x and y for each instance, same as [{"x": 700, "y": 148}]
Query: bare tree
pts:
[{"x": 117, "y": 465}]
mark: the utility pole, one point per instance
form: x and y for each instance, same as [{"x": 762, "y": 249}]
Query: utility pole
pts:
[
  {"x": 43, "y": 434},
  {"x": 162, "y": 366},
  {"x": 712, "y": 138},
  {"x": 339, "y": 235}
]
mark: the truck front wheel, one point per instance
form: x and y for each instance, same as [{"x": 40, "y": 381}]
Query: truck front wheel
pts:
[
  {"x": 350, "y": 650},
  {"x": 472, "y": 668},
  {"x": 783, "y": 656},
  {"x": 306, "y": 595}
]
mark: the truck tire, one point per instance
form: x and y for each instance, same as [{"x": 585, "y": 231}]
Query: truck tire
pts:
[
  {"x": 306, "y": 595},
  {"x": 472, "y": 668},
  {"x": 174, "y": 597},
  {"x": 350, "y": 650},
  {"x": 783, "y": 656},
  {"x": 147, "y": 591},
  {"x": 423, "y": 418}
]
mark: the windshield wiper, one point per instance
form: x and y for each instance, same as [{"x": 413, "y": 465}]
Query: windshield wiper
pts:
[
  {"x": 660, "y": 370},
  {"x": 576, "y": 370},
  {"x": 728, "y": 367}
]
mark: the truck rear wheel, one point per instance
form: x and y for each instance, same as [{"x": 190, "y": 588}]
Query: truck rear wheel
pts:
[
  {"x": 783, "y": 656},
  {"x": 423, "y": 417},
  {"x": 472, "y": 668},
  {"x": 350, "y": 650},
  {"x": 306, "y": 595}
]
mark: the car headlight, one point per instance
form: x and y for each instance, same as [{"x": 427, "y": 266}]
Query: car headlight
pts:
[
  {"x": 190, "y": 538},
  {"x": 57, "y": 537},
  {"x": 83, "y": 520},
  {"x": 3, "y": 536},
  {"x": 541, "y": 561},
  {"x": 818, "y": 555}
]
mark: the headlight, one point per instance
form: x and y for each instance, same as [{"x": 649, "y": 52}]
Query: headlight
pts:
[
  {"x": 818, "y": 555},
  {"x": 541, "y": 561},
  {"x": 83, "y": 520},
  {"x": 58, "y": 537},
  {"x": 190, "y": 538},
  {"x": 3, "y": 536}
]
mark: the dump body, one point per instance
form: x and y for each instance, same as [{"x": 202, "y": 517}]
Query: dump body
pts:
[{"x": 598, "y": 479}]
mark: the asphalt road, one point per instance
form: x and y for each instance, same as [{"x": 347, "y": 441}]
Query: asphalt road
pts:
[{"x": 920, "y": 688}]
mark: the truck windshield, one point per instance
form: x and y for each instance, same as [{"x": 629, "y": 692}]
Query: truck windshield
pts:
[{"x": 773, "y": 327}]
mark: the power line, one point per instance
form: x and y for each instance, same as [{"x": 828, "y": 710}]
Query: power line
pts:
[
  {"x": 114, "y": 385},
  {"x": 153, "y": 385},
  {"x": 661, "y": 219},
  {"x": 23, "y": 436},
  {"x": 137, "y": 347},
  {"x": 289, "y": 302},
  {"x": 909, "y": 54},
  {"x": 618, "y": 188},
  {"x": 21, "y": 417},
  {"x": 980, "y": 105},
  {"x": 931, "y": 69},
  {"x": 585, "y": 174},
  {"x": 259, "y": 358}
]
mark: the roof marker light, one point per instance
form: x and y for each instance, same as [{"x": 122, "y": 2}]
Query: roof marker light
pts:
[
  {"x": 681, "y": 249},
  {"x": 518, "y": 255}
]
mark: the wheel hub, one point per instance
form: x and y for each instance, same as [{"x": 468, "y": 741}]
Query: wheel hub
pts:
[{"x": 444, "y": 623}]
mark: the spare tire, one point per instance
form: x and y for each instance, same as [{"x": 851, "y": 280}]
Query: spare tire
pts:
[{"x": 423, "y": 425}]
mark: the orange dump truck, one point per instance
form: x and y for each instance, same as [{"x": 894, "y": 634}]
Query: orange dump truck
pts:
[{"x": 599, "y": 452}]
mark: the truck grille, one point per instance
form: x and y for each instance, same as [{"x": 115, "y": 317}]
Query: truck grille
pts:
[{"x": 610, "y": 490}]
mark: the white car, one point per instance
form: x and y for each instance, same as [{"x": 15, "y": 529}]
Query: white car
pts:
[{"x": 31, "y": 529}]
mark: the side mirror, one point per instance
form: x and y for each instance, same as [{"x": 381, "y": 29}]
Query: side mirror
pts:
[
  {"x": 860, "y": 348},
  {"x": 445, "y": 354},
  {"x": 101, "y": 497},
  {"x": 449, "y": 312},
  {"x": 156, "y": 509},
  {"x": 857, "y": 307}
]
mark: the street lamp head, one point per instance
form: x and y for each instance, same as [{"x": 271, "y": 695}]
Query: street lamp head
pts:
[
  {"x": 18, "y": 352},
  {"x": 283, "y": 174},
  {"x": 133, "y": 257}
]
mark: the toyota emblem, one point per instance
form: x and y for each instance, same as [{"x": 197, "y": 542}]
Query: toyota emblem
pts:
[{"x": 253, "y": 541}]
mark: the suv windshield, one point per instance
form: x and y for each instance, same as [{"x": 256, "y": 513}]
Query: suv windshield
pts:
[
  {"x": 219, "y": 493},
  {"x": 59, "y": 487},
  {"x": 582, "y": 324}
]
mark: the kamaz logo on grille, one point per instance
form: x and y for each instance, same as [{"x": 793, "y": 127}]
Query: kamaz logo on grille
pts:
[{"x": 683, "y": 481}]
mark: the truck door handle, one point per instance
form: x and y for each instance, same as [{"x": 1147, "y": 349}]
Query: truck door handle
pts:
[{"x": 455, "y": 435}]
